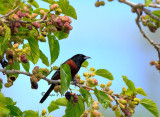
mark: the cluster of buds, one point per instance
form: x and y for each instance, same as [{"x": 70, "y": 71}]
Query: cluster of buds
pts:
[
  {"x": 71, "y": 97},
  {"x": 57, "y": 88},
  {"x": 156, "y": 63},
  {"x": 35, "y": 77},
  {"x": 16, "y": 54},
  {"x": 44, "y": 112},
  {"x": 150, "y": 23},
  {"x": 99, "y": 3},
  {"x": 105, "y": 87},
  {"x": 124, "y": 104},
  {"x": 10, "y": 81},
  {"x": 2, "y": 29},
  {"x": 93, "y": 111}
]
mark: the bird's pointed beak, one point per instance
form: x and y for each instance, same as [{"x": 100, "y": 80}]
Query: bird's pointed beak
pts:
[{"x": 87, "y": 57}]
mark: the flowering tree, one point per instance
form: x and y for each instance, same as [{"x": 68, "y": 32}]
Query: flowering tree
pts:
[{"x": 23, "y": 26}]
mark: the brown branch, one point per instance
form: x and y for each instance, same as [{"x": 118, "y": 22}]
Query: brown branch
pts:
[
  {"x": 148, "y": 12},
  {"x": 8, "y": 14},
  {"x": 28, "y": 74}
]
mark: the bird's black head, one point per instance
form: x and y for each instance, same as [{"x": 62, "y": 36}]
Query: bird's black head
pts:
[{"x": 79, "y": 59}]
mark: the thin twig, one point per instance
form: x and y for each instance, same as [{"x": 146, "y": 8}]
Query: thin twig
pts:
[{"x": 8, "y": 14}]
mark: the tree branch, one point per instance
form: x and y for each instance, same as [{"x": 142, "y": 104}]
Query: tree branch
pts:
[
  {"x": 8, "y": 14},
  {"x": 28, "y": 74}
]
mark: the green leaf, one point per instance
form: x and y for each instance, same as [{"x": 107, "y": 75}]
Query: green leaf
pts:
[
  {"x": 102, "y": 98},
  {"x": 34, "y": 47},
  {"x": 33, "y": 3},
  {"x": 30, "y": 113},
  {"x": 147, "y": 2},
  {"x": 104, "y": 73},
  {"x": 7, "y": 34},
  {"x": 52, "y": 107},
  {"x": 156, "y": 13},
  {"x": 38, "y": 10},
  {"x": 3, "y": 46},
  {"x": 65, "y": 73},
  {"x": 26, "y": 66},
  {"x": 75, "y": 109},
  {"x": 50, "y": 1},
  {"x": 44, "y": 58},
  {"x": 61, "y": 35},
  {"x": 14, "y": 110},
  {"x": 9, "y": 101},
  {"x": 85, "y": 64},
  {"x": 54, "y": 47},
  {"x": 129, "y": 83},
  {"x": 150, "y": 106},
  {"x": 87, "y": 96},
  {"x": 1, "y": 86},
  {"x": 61, "y": 101},
  {"x": 141, "y": 91},
  {"x": 117, "y": 113},
  {"x": 67, "y": 9}
]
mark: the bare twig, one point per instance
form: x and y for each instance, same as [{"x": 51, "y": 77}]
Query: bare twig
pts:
[{"x": 8, "y": 14}]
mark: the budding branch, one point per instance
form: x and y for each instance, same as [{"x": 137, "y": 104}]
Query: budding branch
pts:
[
  {"x": 148, "y": 12},
  {"x": 28, "y": 74}
]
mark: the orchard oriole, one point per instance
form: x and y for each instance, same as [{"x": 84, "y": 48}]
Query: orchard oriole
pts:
[{"x": 75, "y": 63}]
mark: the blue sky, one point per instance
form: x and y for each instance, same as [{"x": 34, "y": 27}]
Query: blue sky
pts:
[{"x": 111, "y": 38}]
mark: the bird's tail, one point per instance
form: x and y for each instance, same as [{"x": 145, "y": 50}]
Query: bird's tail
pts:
[{"x": 47, "y": 93}]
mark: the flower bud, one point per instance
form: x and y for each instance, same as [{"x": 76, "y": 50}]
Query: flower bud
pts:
[
  {"x": 33, "y": 79},
  {"x": 29, "y": 27},
  {"x": 54, "y": 6},
  {"x": 95, "y": 107},
  {"x": 53, "y": 28},
  {"x": 122, "y": 106},
  {"x": 95, "y": 82},
  {"x": 34, "y": 15},
  {"x": 124, "y": 89},
  {"x": 55, "y": 67},
  {"x": 15, "y": 17},
  {"x": 114, "y": 107},
  {"x": 102, "y": 85},
  {"x": 44, "y": 112},
  {"x": 58, "y": 11},
  {"x": 107, "y": 89},
  {"x": 45, "y": 71},
  {"x": 42, "y": 12},
  {"x": 35, "y": 70},
  {"x": 9, "y": 84},
  {"x": 36, "y": 24},
  {"x": 96, "y": 113},
  {"x": 110, "y": 92},
  {"x": 57, "y": 88},
  {"x": 137, "y": 100},
  {"x": 24, "y": 59},
  {"x": 109, "y": 83},
  {"x": 102, "y": 3},
  {"x": 110, "y": 97},
  {"x": 26, "y": 9},
  {"x": 97, "y": 4},
  {"x": 85, "y": 74}
]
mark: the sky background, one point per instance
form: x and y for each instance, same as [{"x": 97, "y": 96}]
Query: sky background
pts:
[{"x": 110, "y": 36}]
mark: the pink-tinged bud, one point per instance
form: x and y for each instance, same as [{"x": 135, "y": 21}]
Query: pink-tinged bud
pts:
[
  {"x": 68, "y": 26},
  {"x": 42, "y": 12},
  {"x": 59, "y": 23},
  {"x": 19, "y": 13},
  {"x": 54, "y": 6},
  {"x": 53, "y": 17},
  {"x": 17, "y": 24},
  {"x": 15, "y": 17},
  {"x": 24, "y": 59},
  {"x": 16, "y": 30},
  {"x": 26, "y": 9},
  {"x": 29, "y": 27},
  {"x": 34, "y": 15},
  {"x": 95, "y": 81},
  {"x": 67, "y": 19},
  {"x": 96, "y": 113},
  {"x": 127, "y": 113},
  {"x": 152, "y": 63},
  {"x": 36, "y": 24}
]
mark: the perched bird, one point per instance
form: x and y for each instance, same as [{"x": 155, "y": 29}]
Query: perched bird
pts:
[{"x": 75, "y": 63}]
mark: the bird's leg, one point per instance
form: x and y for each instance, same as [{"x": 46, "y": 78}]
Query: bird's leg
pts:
[{"x": 74, "y": 82}]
